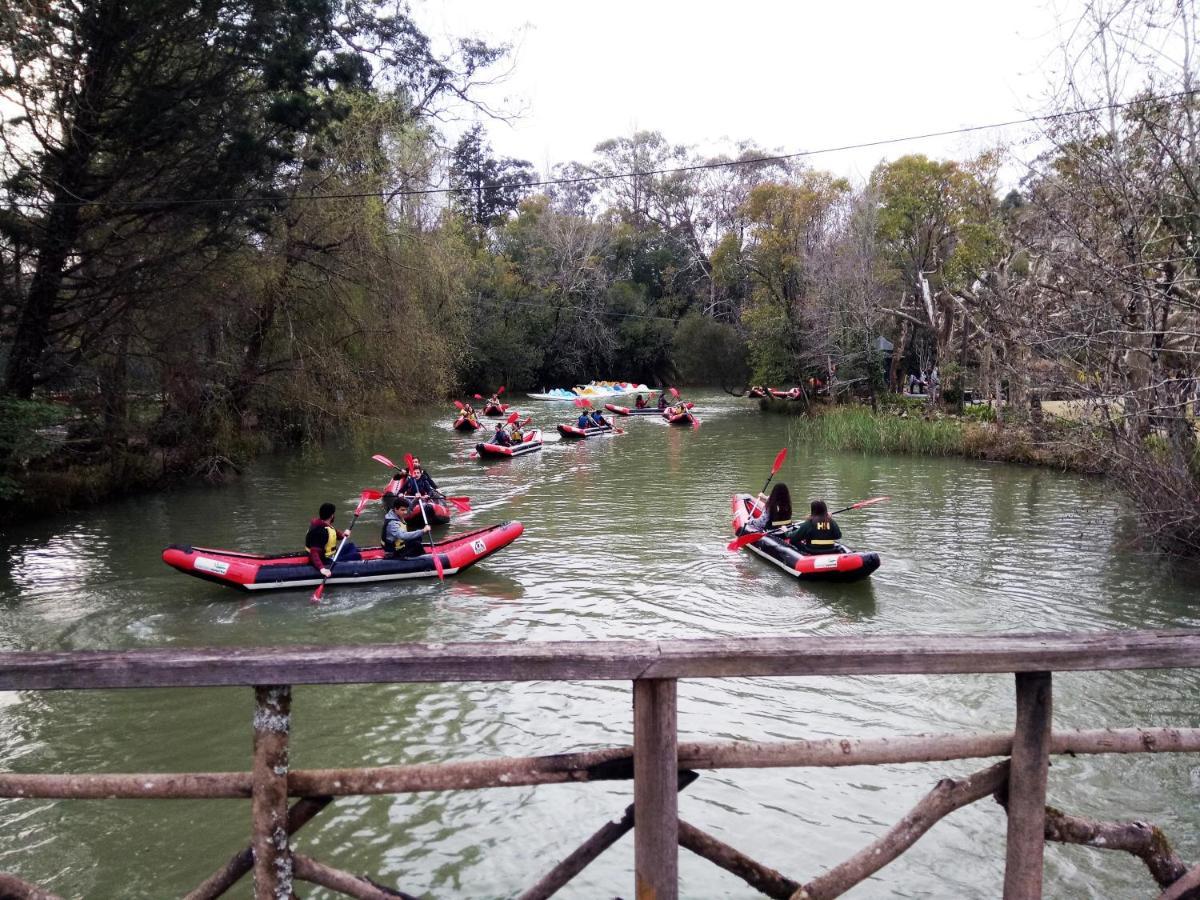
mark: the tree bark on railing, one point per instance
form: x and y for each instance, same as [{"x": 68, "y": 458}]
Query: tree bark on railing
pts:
[
  {"x": 269, "y": 799},
  {"x": 948, "y": 795},
  {"x": 302, "y": 812},
  {"x": 583, "y": 855},
  {"x": 1025, "y": 849},
  {"x": 308, "y": 869},
  {"x": 762, "y": 878},
  {"x": 593, "y": 765},
  {"x": 655, "y": 790},
  {"x": 14, "y": 888}
]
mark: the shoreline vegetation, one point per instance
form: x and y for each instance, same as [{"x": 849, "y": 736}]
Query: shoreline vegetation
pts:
[
  {"x": 164, "y": 329},
  {"x": 914, "y": 428}
]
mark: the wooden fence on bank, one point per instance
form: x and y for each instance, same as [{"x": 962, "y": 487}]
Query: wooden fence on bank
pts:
[{"x": 657, "y": 763}]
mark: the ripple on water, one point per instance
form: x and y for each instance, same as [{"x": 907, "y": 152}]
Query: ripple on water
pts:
[{"x": 624, "y": 538}]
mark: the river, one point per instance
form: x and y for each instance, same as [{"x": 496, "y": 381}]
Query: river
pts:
[{"x": 624, "y": 538}]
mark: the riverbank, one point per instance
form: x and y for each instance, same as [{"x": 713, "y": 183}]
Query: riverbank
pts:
[{"x": 904, "y": 429}]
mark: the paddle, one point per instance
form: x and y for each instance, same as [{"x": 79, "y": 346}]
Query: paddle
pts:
[
  {"x": 462, "y": 504},
  {"x": 778, "y": 464},
  {"x": 478, "y": 396},
  {"x": 364, "y": 498},
  {"x": 437, "y": 563},
  {"x": 742, "y": 540}
]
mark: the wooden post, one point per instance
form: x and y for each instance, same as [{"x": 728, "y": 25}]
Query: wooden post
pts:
[
  {"x": 655, "y": 782},
  {"x": 269, "y": 793},
  {"x": 1027, "y": 788}
]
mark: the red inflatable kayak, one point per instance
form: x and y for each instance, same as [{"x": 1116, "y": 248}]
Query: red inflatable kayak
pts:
[
  {"x": 633, "y": 410},
  {"x": 255, "y": 572},
  {"x": 530, "y": 443},
  {"x": 839, "y": 565},
  {"x": 462, "y": 423},
  {"x": 491, "y": 409},
  {"x": 575, "y": 433},
  {"x": 683, "y": 418}
]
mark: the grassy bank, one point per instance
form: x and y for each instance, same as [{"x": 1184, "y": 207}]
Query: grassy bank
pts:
[{"x": 850, "y": 428}]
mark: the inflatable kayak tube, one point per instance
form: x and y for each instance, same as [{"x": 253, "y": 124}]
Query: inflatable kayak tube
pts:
[
  {"x": 531, "y": 443},
  {"x": 842, "y": 565},
  {"x": 793, "y": 394},
  {"x": 756, "y": 392},
  {"x": 492, "y": 409},
  {"x": 462, "y": 423},
  {"x": 254, "y": 572},
  {"x": 573, "y": 432},
  {"x": 437, "y": 512},
  {"x": 684, "y": 418},
  {"x": 631, "y": 410}
]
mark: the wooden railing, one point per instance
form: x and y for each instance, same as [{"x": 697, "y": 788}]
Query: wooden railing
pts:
[{"x": 657, "y": 763}]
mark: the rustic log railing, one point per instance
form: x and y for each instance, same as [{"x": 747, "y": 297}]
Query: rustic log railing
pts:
[{"x": 657, "y": 763}]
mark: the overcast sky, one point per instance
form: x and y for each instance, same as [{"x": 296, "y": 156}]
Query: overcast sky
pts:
[{"x": 787, "y": 76}]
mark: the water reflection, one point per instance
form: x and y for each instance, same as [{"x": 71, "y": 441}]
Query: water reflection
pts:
[{"x": 624, "y": 539}]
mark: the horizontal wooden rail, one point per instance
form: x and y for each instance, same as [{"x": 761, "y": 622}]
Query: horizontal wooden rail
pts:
[
  {"x": 613, "y": 763},
  {"x": 604, "y": 660}
]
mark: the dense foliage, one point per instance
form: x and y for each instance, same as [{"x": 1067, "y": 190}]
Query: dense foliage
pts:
[{"x": 215, "y": 230}]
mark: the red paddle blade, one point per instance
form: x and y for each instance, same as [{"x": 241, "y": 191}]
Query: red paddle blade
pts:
[
  {"x": 408, "y": 461},
  {"x": 364, "y": 498},
  {"x": 380, "y": 458},
  {"x": 437, "y": 564},
  {"x": 870, "y": 502},
  {"x": 316, "y": 597},
  {"x": 479, "y": 396},
  {"x": 527, "y": 421},
  {"x": 742, "y": 540},
  {"x": 674, "y": 393},
  {"x": 513, "y": 417},
  {"x": 462, "y": 504},
  {"x": 779, "y": 458},
  {"x": 580, "y": 402},
  {"x": 461, "y": 406},
  {"x": 501, "y": 391}
]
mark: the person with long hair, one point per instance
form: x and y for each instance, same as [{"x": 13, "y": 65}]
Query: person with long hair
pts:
[
  {"x": 776, "y": 513},
  {"x": 819, "y": 533}
]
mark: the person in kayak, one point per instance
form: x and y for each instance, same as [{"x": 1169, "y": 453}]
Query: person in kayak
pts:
[
  {"x": 776, "y": 513},
  {"x": 399, "y": 542},
  {"x": 639, "y": 402},
  {"x": 816, "y": 534},
  {"x": 501, "y": 438},
  {"x": 598, "y": 420},
  {"x": 515, "y": 433},
  {"x": 584, "y": 420},
  {"x": 322, "y": 541},
  {"x": 662, "y": 400}
]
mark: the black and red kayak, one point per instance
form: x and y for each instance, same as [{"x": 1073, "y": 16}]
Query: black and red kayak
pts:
[
  {"x": 437, "y": 512},
  {"x": 756, "y": 392},
  {"x": 632, "y": 410},
  {"x": 463, "y": 423},
  {"x": 495, "y": 409},
  {"x": 255, "y": 572},
  {"x": 530, "y": 443},
  {"x": 679, "y": 418},
  {"x": 792, "y": 394},
  {"x": 839, "y": 565},
  {"x": 575, "y": 433}
]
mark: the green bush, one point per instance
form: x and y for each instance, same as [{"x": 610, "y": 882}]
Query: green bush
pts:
[
  {"x": 25, "y": 436},
  {"x": 979, "y": 412}
]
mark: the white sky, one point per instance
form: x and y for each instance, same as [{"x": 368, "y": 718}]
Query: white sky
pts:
[{"x": 788, "y": 76}]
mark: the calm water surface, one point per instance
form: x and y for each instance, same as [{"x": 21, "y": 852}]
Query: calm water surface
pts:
[{"x": 624, "y": 539}]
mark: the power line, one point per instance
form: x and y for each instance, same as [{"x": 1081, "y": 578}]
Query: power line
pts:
[{"x": 589, "y": 179}]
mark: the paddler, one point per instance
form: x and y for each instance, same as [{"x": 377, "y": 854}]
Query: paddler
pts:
[
  {"x": 322, "y": 541},
  {"x": 399, "y": 542}
]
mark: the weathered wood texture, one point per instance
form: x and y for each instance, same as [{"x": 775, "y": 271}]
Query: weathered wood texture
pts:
[
  {"x": 762, "y": 878},
  {"x": 948, "y": 795},
  {"x": 1186, "y": 888},
  {"x": 301, "y": 813},
  {"x": 655, "y": 796},
  {"x": 595, "y": 765},
  {"x": 308, "y": 869},
  {"x": 1025, "y": 851},
  {"x": 268, "y": 804},
  {"x": 13, "y": 888},
  {"x": 604, "y": 660},
  {"x": 608, "y": 834}
]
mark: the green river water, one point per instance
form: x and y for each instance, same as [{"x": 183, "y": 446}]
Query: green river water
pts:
[{"x": 624, "y": 538}]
